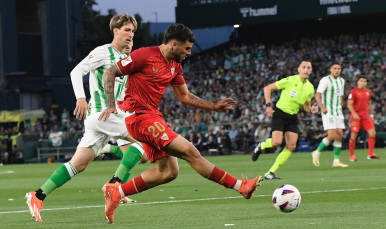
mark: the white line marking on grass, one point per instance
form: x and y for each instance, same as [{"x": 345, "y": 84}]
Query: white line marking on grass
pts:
[
  {"x": 6, "y": 172},
  {"x": 192, "y": 200}
]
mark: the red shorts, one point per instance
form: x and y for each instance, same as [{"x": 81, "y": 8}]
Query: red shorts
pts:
[
  {"x": 366, "y": 123},
  {"x": 153, "y": 132}
]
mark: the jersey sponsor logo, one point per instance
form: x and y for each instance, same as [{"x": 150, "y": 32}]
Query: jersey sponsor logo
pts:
[
  {"x": 172, "y": 70},
  {"x": 350, "y": 96},
  {"x": 293, "y": 93},
  {"x": 155, "y": 70},
  {"x": 126, "y": 61}
]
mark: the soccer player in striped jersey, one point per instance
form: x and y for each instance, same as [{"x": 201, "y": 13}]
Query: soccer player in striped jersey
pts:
[
  {"x": 97, "y": 133},
  {"x": 329, "y": 96},
  {"x": 359, "y": 104}
]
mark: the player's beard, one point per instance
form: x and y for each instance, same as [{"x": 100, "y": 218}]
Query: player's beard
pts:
[{"x": 177, "y": 57}]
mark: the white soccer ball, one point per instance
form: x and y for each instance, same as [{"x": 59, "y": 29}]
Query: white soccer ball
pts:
[{"x": 286, "y": 198}]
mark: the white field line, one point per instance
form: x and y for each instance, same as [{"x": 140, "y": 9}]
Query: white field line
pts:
[
  {"x": 191, "y": 200},
  {"x": 7, "y": 172}
]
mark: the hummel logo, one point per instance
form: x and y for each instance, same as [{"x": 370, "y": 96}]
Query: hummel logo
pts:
[{"x": 155, "y": 70}]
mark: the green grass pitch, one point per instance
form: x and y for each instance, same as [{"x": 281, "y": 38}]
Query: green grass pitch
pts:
[{"x": 352, "y": 197}]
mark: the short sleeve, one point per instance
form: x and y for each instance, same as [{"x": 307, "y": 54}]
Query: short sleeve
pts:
[
  {"x": 311, "y": 95},
  {"x": 178, "y": 79},
  {"x": 133, "y": 63},
  {"x": 323, "y": 84},
  {"x": 351, "y": 96},
  {"x": 283, "y": 83}
]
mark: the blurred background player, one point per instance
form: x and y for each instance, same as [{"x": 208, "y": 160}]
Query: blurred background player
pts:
[
  {"x": 96, "y": 133},
  {"x": 329, "y": 97},
  {"x": 362, "y": 115},
  {"x": 152, "y": 70},
  {"x": 296, "y": 92}
]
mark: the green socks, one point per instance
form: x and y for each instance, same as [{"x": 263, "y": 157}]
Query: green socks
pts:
[
  {"x": 266, "y": 144},
  {"x": 113, "y": 149},
  {"x": 131, "y": 157},
  {"x": 61, "y": 175},
  {"x": 281, "y": 158},
  {"x": 325, "y": 142},
  {"x": 337, "y": 148}
]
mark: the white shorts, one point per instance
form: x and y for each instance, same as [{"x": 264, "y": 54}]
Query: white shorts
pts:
[
  {"x": 333, "y": 122},
  {"x": 121, "y": 142},
  {"x": 97, "y": 133}
]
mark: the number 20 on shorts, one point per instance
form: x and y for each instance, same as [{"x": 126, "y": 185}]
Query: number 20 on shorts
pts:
[{"x": 157, "y": 125}]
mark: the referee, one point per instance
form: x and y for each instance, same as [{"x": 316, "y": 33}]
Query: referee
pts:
[{"x": 296, "y": 92}]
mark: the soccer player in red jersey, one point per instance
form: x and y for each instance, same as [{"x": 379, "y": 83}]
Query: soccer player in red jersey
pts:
[
  {"x": 151, "y": 70},
  {"x": 359, "y": 104}
]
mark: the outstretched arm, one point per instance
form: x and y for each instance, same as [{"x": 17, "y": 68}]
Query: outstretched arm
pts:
[
  {"x": 109, "y": 81},
  {"x": 185, "y": 97}
]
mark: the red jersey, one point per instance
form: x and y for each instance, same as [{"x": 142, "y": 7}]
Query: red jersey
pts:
[
  {"x": 149, "y": 76},
  {"x": 361, "y": 99}
]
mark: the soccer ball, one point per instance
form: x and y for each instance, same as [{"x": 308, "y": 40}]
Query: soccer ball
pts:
[{"x": 286, "y": 198}]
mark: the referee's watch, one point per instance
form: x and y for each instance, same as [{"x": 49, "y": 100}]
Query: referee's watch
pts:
[{"x": 268, "y": 104}]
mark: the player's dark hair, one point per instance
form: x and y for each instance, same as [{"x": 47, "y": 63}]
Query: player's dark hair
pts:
[
  {"x": 178, "y": 32},
  {"x": 335, "y": 63},
  {"x": 362, "y": 77},
  {"x": 305, "y": 59}
]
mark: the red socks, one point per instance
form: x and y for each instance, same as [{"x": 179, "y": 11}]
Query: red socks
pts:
[
  {"x": 222, "y": 177},
  {"x": 134, "y": 186},
  {"x": 371, "y": 143},
  {"x": 351, "y": 147}
]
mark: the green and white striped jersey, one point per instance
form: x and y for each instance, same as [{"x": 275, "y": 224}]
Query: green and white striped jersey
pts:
[
  {"x": 332, "y": 90},
  {"x": 96, "y": 63}
]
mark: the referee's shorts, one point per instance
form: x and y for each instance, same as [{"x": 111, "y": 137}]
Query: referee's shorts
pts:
[{"x": 284, "y": 122}]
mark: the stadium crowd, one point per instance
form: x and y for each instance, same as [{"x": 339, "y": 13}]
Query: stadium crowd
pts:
[{"x": 240, "y": 72}]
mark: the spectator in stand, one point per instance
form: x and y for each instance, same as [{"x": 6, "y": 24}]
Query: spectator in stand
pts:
[
  {"x": 240, "y": 139},
  {"x": 199, "y": 142},
  {"x": 224, "y": 143},
  {"x": 232, "y": 135},
  {"x": 211, "y": 140},
  {"x": 65, "y": 115},
  {"x": 53, "y": 118}
]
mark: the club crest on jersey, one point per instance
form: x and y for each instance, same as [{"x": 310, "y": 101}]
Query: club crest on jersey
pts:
[
  {"x": 338, "y": 90},
  {"x": 172, "y": 70},
  {"x": 165, "y": 137},
  {"x": 293, "y": 93}
]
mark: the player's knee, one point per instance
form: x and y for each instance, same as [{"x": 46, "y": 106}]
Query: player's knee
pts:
[
  {"x": 143, "y": 160},
  {"x": 192, "y": 154},
  {"x": 291, "y": 147},
  {"x": 372, "y": 134},
  {"x": 331, "y": 136},
  {"x": 276, "y": 143},
  {"x": 80, "y": 168},
  {"x": 171, "y": 174}
]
